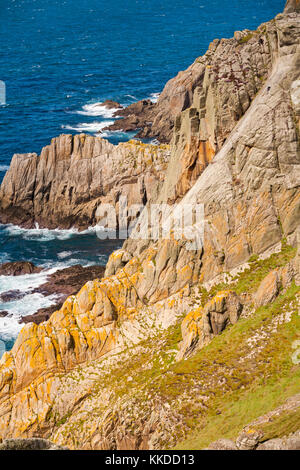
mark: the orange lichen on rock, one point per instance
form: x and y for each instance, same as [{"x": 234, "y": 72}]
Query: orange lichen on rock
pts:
[{"x": 202, "y": 324}]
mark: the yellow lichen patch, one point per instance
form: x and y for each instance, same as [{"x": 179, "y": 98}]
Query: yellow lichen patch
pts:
[
  {"x": 190, "y": 322},
  {"x": 117, "y": 254},
  {"x": 185, "y": 274}
]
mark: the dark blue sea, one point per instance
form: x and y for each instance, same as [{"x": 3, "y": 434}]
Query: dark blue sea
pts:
[{"x": 57, "y": 58}]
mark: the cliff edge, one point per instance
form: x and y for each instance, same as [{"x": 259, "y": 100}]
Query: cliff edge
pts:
[{"x": 171, "y": 338}]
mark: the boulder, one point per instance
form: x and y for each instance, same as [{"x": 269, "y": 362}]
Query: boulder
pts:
[
  {"x": 248, "y": 440},
  {"x": 291, "y": 442},
  {"x": 222, "y": 444},
  {"x": 272, "y": 284},
  {"x": 201, "y": 325},
  {"x": 18, "y": 268},
  {"x": 268, "y": 289}
]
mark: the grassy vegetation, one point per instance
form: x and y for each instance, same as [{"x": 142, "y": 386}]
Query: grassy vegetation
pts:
[
  {"x": 250, "y": 279},
  {"x": 257, "y": 384},
  {"x": 247, "y": 38},
  {"x": 235, "y": 414},
  {"x": 242, "y": 374}
]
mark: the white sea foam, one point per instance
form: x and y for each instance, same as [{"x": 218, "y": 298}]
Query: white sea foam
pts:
[
  {"x": 24, "y": 283},
  {"x": 39, "y": 234},
  {"x": 92, "y": 127},
  {"x": 132, "y": 97},
  {"x": 97, "y": 109},
  {"x": 27, "y": 305},
  {"x": 65, "y": 254},
  {"x": 4, "y": 167},
  {"x": 44, "y": 234},
  {"x": 31, "y": 303},
  {"x": 154, "y": 97}
]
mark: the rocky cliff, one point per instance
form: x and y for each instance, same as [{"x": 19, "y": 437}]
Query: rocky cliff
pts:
[
  {"x": 292, "y": 6},
  {"x": 64, "y": 186},
  {"x": 218, "y": 87},
  {"x": 172, "y": 338},
  {"x": 199, "y": 108}
]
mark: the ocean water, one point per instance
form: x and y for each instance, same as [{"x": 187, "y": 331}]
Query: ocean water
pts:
[{"x": 59, "y": 59}]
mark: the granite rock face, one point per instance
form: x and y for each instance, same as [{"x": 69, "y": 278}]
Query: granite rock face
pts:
[
  {"x": 200, "y": 326},
  {"x": 246, "y": 174},
  {"x": 292, "y": 6},
  {"x": 250, "y": 191},
  {"x": 217, "y": 89},
  {"x": 64, "y": 186}
]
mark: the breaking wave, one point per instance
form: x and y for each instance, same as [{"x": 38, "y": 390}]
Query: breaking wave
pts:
[
  {"x": 92, "y": 127},
  {"x": 97, "y": 109}
]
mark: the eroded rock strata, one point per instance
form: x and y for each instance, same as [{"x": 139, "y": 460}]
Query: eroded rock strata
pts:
[
  {"x": 218, "y": 87},
  {"x": 62, "y": 283},
  {"x": 113, "y": 368},
  {"x": 64, "y": 186}
]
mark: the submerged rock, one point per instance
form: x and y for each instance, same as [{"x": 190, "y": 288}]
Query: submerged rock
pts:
[
  {"x": 11, "y": 295},
  {"x": 110, "y": 104}
]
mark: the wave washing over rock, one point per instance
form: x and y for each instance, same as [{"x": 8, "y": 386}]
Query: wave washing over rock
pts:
[{"x": 174, "y": 345}]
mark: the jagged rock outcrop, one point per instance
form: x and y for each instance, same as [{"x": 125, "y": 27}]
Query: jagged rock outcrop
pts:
[
  {"x": 133, "y": 117},
  {"x": 272, "y": 283},
  {"x": 88, "y": 326},
  {"x": 200, "y": 326},
  {"x": 292, "y": 6},
  {"x": 251, "y": 196},
  {"x": 250, "y": 191},
  {"x": 64, "y": 186},
  {"x": 18, "y": 268},
  {"x": 218, "y": 88}
]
